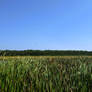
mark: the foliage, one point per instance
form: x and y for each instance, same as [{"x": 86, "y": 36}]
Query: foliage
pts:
[{"x": 43, "y": 53}]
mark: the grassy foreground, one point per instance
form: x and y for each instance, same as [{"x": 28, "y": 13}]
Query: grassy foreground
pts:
[{"x": 46, "y": 74}]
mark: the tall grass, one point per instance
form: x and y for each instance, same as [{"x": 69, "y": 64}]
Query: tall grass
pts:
[{"x": 46, "y": 74}]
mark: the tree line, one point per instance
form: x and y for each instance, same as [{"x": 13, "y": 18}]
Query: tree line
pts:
[{"x": 43, "y": 53}]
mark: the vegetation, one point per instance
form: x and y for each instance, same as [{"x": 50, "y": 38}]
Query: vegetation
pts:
[
  {"x": 43, "y": 53},
  {"x": 46, "y": 74}
]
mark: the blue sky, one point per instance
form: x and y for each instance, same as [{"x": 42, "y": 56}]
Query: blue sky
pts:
[{"x": 46, "y": 24}]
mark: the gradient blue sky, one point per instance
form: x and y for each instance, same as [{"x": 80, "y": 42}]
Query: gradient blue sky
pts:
[{"x": 46, "y": 24}]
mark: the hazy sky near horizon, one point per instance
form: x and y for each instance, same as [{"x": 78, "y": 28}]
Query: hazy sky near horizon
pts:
[{"x": 46, "y": 24}]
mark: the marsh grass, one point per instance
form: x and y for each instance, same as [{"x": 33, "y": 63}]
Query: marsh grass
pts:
[{"x": 46, "y": 74}]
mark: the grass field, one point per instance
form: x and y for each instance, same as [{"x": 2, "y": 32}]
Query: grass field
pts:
[{"x": 46, "y": 74}]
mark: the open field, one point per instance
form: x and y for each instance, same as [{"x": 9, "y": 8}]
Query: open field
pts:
[{"x": 46, "y": 74}]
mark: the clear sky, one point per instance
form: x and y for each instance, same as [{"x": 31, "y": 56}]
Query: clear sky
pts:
[{"x": 46, "y": 24}]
